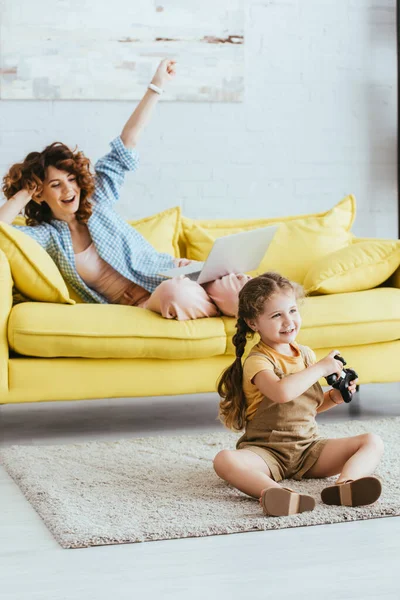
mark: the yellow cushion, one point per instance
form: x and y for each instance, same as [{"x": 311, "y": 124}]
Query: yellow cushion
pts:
[
  {"x": 73, "y": 295},
  {"x": 339, "y": 320},
  {"x": 359, "y": 267},
  {"x": 110, "y": 331},
  {"x": 297, "y": 244},
  {"x": 161, "y": 230},
  {"x": 34, "y": 273},
  {"x": 19, "y": 220}
]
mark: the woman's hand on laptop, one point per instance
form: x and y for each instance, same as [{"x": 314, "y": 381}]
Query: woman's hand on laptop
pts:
[{"x": 182, "y": 262}]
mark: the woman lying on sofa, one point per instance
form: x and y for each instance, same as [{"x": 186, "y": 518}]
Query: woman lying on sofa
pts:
[{"x": 70, "y": 213}]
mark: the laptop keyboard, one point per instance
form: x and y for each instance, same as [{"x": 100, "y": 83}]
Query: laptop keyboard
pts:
[{"x": 193, "y": 276}]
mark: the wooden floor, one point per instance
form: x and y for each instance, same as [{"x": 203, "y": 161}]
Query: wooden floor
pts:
[{"x": 357, "y": 560}]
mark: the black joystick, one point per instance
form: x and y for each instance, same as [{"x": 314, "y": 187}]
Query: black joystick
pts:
[{"x": 342, "y": 381}]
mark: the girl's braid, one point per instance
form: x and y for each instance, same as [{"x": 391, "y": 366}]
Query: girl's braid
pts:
[{"x": 240, "y": 338}]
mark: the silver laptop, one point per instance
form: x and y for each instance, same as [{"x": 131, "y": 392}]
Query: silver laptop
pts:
[{"x": 236, "y": 253}]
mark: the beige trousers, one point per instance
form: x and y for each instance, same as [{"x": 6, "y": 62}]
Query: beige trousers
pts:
[{"x": 182, "y": 299}]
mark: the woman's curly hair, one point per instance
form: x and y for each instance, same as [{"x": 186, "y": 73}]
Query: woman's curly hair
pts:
[
  {"x": 252, "y": 299},
  {"x": 31, "y": 173}
]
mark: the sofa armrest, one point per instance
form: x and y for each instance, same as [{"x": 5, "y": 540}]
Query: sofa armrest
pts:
[{"x": 6, "y": 285}]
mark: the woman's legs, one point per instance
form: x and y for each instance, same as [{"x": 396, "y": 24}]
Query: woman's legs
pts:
[
  {"x": 351, "y": 457},
  {"x": 180, "y": 298},
  {"x": 224, "y": 292},
  {"x": 245, "y": 470}
]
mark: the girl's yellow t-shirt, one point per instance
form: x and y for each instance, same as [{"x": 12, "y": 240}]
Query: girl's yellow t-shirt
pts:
[{"x": 254, "y": 364}]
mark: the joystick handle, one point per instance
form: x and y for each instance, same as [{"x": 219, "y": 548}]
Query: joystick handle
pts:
[{"x": 331, "y": 379}]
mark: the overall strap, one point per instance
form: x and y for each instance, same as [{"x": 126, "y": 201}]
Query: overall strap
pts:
[{"x": 306, "y": 356}]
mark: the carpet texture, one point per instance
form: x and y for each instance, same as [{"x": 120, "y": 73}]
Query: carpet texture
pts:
[{"x": 164, "y": 487}]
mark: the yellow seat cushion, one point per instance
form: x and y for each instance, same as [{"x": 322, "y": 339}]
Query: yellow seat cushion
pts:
[
  {"x": 110, "y": 331},
  {"x": 298, "y": 243},
  {"x": 161, "y": 230},
  {"x": 339, "y": 320},
  {"x": 358, "y": 267},
  {"x": 34, "y": 273}
]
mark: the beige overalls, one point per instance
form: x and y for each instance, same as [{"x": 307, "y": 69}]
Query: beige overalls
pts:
[{"x": 285, "y": 435}]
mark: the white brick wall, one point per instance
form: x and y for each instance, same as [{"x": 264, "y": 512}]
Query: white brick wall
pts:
[{"x": 318, "y": 122}]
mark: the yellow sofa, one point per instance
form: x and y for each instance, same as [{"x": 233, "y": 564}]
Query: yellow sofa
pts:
[{"x": 54, "y": 347}]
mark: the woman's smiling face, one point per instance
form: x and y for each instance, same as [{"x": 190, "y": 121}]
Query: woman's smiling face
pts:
[{"x": 61, "y": 192}]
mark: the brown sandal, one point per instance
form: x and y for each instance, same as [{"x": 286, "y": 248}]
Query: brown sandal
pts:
[
  {"x": 357, "y": 492},
  {"x": 281, "y": 502}
]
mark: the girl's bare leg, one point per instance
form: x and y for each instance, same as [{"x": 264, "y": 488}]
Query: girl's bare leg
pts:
[
  {"x": 245, "y": 470},
  {"x": 351, "y": 457}
]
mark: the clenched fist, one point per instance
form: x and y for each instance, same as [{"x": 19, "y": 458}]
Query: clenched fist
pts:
[{"x": 165, "y": 72}]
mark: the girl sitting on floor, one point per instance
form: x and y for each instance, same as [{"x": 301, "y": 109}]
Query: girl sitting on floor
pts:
[{"x": 275, "y": 397}]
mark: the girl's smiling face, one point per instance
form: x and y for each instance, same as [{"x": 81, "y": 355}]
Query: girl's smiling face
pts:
[
  {"x": 280, "y": 321},
  {"x": 61, "y": 192}
]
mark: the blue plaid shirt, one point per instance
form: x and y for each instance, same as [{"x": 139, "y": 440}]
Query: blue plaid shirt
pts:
[{"x": 116, "y": 242}]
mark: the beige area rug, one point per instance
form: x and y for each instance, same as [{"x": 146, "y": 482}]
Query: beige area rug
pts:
[{"x": 159, "y": 488}]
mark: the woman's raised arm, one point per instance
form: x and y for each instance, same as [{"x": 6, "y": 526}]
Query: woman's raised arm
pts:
[
  {"x": 142, "y": 113},
  {"x": 10, "y": 209}
]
